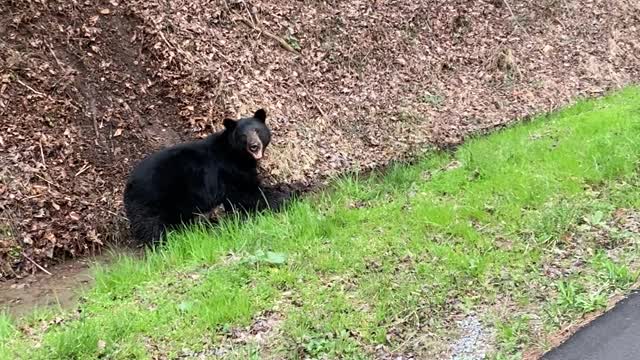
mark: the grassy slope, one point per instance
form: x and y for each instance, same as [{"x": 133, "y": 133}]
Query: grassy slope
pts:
[{"x": 521, "y": 227}]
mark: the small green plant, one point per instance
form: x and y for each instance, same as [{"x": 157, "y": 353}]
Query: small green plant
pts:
[
  {"x": 596, "y": 219},
  {"x": 513, "y": 334},
  {"x": 618, "y": 276},
  {"x": 268, "y": 257},
  {"x": 553, "y": 219},
  {"x": 409, "y": 117},
  {"x": 568, "y": 293},
  {"x": 332, "y": 346},
  {"x": 574, "y": 299},
  {"x": 316, "y": 347},
  {"x": 293, "y": 42},
  {"x": 433, "y": 99}
]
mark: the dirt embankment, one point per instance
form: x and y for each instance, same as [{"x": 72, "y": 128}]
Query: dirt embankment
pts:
[{"x": 86, "y": 88}]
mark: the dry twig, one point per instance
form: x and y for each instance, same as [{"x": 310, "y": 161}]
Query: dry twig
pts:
[
  {"x": 83, "y": 169},
  {"x": 513, "y": 15},
  {"x": 281, "y": 41},
  {"x": 30, "y": 88},
  {"x": 55, "y": 57},
  {"x": 49, "y": 182},
  {"x": 42, "y": 154},
  {"x": 187, "y": 56},
  {"x": 36, "y": 264}
]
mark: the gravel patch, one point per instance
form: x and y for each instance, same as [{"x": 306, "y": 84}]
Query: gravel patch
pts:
[{"x": 474, "y": 342}]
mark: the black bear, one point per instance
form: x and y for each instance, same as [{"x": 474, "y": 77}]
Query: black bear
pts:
[{"x": 174, "y": 185}]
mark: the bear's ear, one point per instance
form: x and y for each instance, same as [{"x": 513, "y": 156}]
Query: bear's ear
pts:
[
  {"x": 229, "y": 124},
  {"x": 260, "y": 115}
]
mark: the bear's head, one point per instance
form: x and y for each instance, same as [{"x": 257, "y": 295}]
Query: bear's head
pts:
[{"x": 249, "y": 136}]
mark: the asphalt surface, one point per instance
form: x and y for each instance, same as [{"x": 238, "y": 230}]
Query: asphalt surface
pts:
[{"x": 613, "y": 336}]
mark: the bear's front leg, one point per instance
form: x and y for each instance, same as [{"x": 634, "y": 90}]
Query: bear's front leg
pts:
[
  {"x": 246, "y": 201},
  {"x": 262, "y": 198}
]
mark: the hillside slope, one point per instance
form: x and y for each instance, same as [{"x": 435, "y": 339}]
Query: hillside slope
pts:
[{"x": 86, "y": 89}]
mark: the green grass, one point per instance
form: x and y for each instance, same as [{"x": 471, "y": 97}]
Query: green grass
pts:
[{"x": 518, "y": 227}]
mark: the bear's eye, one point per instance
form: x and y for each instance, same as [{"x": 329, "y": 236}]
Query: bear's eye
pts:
[{"x": 254, "y": 147}]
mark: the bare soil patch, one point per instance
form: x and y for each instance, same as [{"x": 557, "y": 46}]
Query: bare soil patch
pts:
[
  {"x": 87, "y": 88},
  {"x": 60, "y": 289}
]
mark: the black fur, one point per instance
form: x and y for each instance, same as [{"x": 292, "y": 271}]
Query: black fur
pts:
[{"x": 174, "y": 185}]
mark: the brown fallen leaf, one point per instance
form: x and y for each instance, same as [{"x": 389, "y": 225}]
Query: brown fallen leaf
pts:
[{"x": 27, "y": 240}]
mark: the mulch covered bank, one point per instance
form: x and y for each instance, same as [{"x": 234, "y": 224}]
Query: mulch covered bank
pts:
[{"x": 87, "y": 88}]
